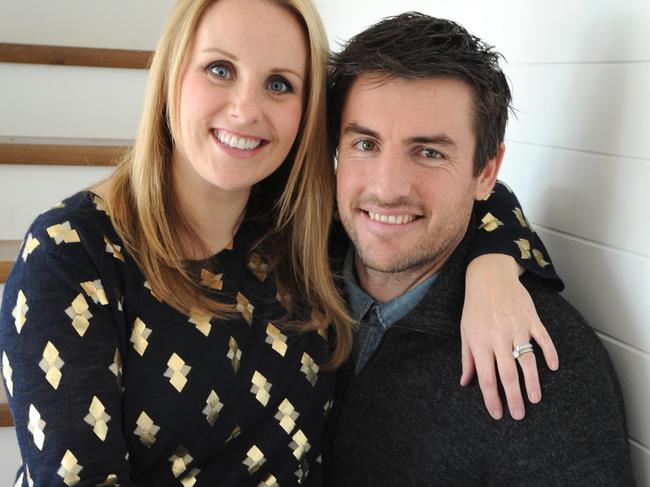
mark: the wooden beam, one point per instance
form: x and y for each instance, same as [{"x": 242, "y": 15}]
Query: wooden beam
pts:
[
  {"x": 8, "y": 252},
  {"x": 61, "y": 152},
  {"x": 5, "y": 416},
  {"x": 74, "y": 56}
]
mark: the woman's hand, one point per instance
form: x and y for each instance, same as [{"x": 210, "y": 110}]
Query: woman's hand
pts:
[{"x": 499, "y": 314}]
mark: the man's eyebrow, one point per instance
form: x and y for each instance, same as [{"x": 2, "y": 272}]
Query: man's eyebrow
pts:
[
  {"x": 234, "y": 58},
  {"x": 439, "y": 139},
  {"x": 353, "y": 128}
]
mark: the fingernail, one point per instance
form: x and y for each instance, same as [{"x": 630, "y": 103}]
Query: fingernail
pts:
[
  {"x": 496, "y": 413},
  {"x": 554, "y": 365},
  {"x": 535, "y": 397},
  {"x": 518, "y": 414}
]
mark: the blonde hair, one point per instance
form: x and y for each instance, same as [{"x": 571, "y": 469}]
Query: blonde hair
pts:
[{"x": 297, "y": 200}]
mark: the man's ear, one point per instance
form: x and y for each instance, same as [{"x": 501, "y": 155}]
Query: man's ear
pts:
[{"x": 488, "y": 175}]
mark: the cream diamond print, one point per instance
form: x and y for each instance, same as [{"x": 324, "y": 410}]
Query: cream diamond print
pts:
[
  {"x": 234, "y": 354},
  {"x": 95, "y": 291},
  {"x": 245, "y": 308},
  {"x": 258, "y": 267},
  {"x": 201, "y": 321},
  {"x": 490, "y": 223},
  {"x": 269, "y": 481},
  {"x": 302, "y": 472},
  {"x": 111, "y": 480},
  {"x": 261, "y": 388},
  {"x": 177, "y": 372},
  {"x": 30, "y": 246},
  {"x": 524, "y": 248},
  {"x": 51, "y": 364},
  {"x": 299, "y": 445},
  {"x": 97, "y": 418},
  {"x": 70, "y": 469},
  {"x": 114, "y": 249},
  {"x": 276, "y": 339},
  {"x": 234, "y": 433},
  {"x": 146, "y": 430},
  {"x": 210, "y": 280},
  {"x": 287, "y": 416},
  {"x": 285, "y": 299},
  {"x": 254, "y": 459},
  {"x": 309, "y": 368},
  {"x": 180, "y": 460},
  {"x": 190, "y": 479},
  {"x": 36, "y": 427},
  {"x": 116, "y": 367},
  {"x": 20, "y": 311},
  {"x": 212, "y": 408},
  {"x": 520, "y": 216},
  {"x": 139, "y": 336},
  {"x": 100, "y": 204},
  {"x": 148, "y": 286},
  {"x": 7, "y": 372},
  {"x": 80, "y": 314},
  {"x": 539, "y": 257},
  {"x": 63, "y": 233}
]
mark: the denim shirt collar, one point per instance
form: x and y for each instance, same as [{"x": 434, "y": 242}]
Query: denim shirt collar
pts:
[{"x": 390, "y": 311}]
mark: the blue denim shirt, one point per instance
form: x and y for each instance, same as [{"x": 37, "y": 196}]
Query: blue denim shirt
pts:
[{"x": 374, "y": 317}]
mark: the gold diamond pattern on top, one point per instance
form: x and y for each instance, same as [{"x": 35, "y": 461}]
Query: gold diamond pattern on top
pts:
[
  {"x": 190, "y": 479},
  {"x": 70, "y": 468},
  {"x": 245, "y": 307},
  {"x": 113, "y": 249},
  {"x": 7, "y": 372},
  {"x": 80, "y": 314},
  {"x": 95, "y": 291},
  {"x": 116, "y": 367},
  {"x": 36, "y": 427},
  {"x": 520, "y": 216},
  {"x": 20, "y": 311},
  {"x": 254, "y": 459},
  {"x": 258, "y": 266},
  {"x": 261, "y": 388},
  {"x": 177, "y": 372},
  {"x": 148, "y": 286},
  {"x": 309, "y": 368},
  {"x": 51, "y": 364},
  {"x": 302, "y": 472},
  {"x": 300, "y": 445},
  {"x": 139, "y": 336},
  {"x": 201, "y": 321},
  {"x": 30, "y": 245},
  {"x": 180, "y": 460},
  {"x": 213, "y": 406},
  {"x": 234, "y": 433},
  {"x": 100, "y": 204},
  {"x": 524, "y": 248},
  {"x": 210, "y": 280},
  {"x": 539, "y": 257},
  {"x": 63, "y": 233},
  {"x": 276, "y": 339},
  {"x": 97, "y": 418},
  {"x": 110, "y": 481},
  {"x": 490, "y": 223},
  {"x": 234, "y": 354},
  {"x": 146, "y": 430},
  {"x": 269, "y": 481},
  {"x": 287, "y": 416}
]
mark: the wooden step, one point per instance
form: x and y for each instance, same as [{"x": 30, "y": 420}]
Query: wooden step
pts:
[
  {"x": 5, "y": 415},
  {"x": 61, "y": 152},
  {"x": 74, "y": 56},
  {"x": 8, "y": 253}
]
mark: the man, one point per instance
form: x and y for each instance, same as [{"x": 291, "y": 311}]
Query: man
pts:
[{"x": 420, "y": 109}]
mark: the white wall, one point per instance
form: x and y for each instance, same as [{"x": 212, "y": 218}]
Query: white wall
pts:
[{"x": 578, "y": 155}]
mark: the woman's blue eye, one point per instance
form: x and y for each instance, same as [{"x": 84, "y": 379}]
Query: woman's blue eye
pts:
[
  {"x": 220, "y": 71},
  {"x": 279, "y": 86}
]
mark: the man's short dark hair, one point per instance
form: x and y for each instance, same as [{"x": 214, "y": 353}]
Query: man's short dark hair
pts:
[{"x": 414, "y": 46}]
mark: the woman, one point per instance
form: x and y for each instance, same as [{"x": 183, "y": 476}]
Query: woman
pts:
[{"x": 169, "y": 325}]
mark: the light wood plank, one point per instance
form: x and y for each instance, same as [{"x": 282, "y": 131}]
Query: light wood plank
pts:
[
  {"x": 8, "y": 252},
  {"x": 60, "y": 155},
  {"x": 74, "y": 56},
  {"x": 633, "y": 369},
  {"x": 70, "y": 102},
  {"x": 597, "y": 108},
  {"x": 6, "y": 419},
  {"x": 609, "y": 287},
  {"x": 600, "y": 198}
]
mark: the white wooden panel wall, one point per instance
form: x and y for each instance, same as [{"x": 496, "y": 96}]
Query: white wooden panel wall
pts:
[{"x": 578, "y": 155}]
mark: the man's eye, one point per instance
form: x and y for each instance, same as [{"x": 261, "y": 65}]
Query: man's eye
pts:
[
  {"x": 365, "y": 145},
  {"x": 280, "y": 85},
  {"x": 430, "y": 153},
  {"x": 219, "y": 70}
]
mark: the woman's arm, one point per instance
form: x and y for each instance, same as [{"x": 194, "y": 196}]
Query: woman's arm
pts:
[
  {"x": 61, "y": 363},
  {"x": 498, "y": 313}
]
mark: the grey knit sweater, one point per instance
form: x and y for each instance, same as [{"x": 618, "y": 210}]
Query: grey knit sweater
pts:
[{"x": 405, "y": 421}]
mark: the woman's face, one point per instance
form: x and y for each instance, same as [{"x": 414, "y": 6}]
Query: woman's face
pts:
[{"x": 241, "y": 94}]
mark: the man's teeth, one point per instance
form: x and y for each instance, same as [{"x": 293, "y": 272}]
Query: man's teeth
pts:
[
  {"x": 243, "y": 143},
  {"x": 391, "y": 219}
]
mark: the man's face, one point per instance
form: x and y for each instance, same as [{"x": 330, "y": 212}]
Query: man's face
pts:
[{"x": 405, "y": 184}]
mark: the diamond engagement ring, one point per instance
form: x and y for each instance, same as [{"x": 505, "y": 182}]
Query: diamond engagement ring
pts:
[{"x": 521, "y": 349}]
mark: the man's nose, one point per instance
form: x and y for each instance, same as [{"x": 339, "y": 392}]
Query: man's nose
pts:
[{"x": 392, "y": 178}]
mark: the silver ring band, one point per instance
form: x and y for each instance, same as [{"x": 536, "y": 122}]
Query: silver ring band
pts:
[{"x": 521, "y": 349}]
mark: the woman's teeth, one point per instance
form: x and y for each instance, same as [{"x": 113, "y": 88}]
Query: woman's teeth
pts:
[{"x": 242, "y": 143}]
